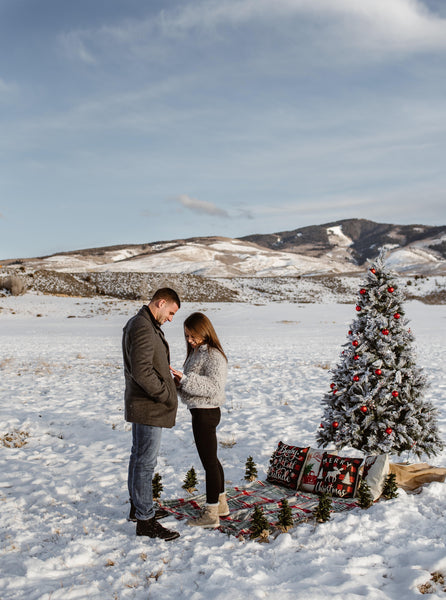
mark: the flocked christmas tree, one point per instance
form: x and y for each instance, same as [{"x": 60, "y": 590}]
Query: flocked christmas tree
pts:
[{"x": 375, "y": 403}]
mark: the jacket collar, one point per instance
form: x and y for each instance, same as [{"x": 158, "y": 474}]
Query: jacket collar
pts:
[{"x": 148, "y": 313}]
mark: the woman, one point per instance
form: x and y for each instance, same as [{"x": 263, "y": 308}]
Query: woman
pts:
[{"x": 202, "y": 388}]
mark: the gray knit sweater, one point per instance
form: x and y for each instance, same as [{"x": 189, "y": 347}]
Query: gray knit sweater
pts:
[{"x": 204, "y": 378}]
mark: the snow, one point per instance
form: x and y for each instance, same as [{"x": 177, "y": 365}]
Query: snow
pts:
[
  {"x": 338, "y": 237},
  {"x": 224, "y": 258},
  {"x": 63, "y": 494}
]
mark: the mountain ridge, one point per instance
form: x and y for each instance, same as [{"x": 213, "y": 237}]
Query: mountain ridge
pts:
[{"x": 342, "y": 246}]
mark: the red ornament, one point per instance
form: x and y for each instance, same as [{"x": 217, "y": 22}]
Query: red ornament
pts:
[
  {"x": 356, "y": 357},
  {"x": 335, "y": 424},
  {"x": 378, "y": 372},
  {"x": 396, "y": 316},
  {"x": 358, "y": 308},
  {"x": 389, "y": 430},
  {"x": 373, "y": 271},
  {"x": 355, "y": 343},
  {"x": 385, "y": 332},
  {"x": 362, "y": 291},
  {"x": 321, "y": 425},
  {"x": 390, "y": 290},
  {"x": 363, "y": 409},
  {"x": 355, "y": 377},
  {"x": 332, "y": 385},
  {"x": 395, "y": 394},
  {"x": 334, "y": 391},
  {"x": 350, "y": 332}
]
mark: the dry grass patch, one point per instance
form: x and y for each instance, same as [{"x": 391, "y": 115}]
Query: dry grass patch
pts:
[
  {"x": 431, "y": 587},
  {"x": 15, "y": 439}
]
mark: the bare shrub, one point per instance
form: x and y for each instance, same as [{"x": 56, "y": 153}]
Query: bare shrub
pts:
[{"x": 13, "y": 284}]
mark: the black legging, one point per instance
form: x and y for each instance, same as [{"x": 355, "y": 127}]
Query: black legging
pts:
[{"x": 204, "y": 427}]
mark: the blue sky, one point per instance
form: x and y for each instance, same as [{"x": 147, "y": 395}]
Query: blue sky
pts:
[{"x": 135, "y": 121}]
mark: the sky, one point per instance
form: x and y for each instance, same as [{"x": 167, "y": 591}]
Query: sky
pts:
[{"x": 135, "y": 121}]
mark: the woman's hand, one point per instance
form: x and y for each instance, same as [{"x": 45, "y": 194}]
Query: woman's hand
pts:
[{"x": 177, "y": 375}]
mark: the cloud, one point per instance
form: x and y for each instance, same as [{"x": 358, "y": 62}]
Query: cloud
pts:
[
  {"x": 74, "y": 46},
  {"x": 200, "y": 206},
  {"x": 398, "y": 23},
  {"x": 376, "y": 27}
]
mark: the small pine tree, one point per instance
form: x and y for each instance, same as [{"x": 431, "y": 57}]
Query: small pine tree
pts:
[
  {"x": 250, "y": 469},
  {"x": 365, "y": 498},
  {"x": 375, "y": 403},
  {"x": 390, "y": 489},
  {"x": 259, "y": 523},
  {"x": 285, "y": 519},
  {"x": 157, "y": 486},
  {"x": 190, "y": 481},
  {"x": 322, "y": 512}
]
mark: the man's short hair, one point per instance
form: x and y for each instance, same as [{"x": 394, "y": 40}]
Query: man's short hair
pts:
[{"x": 166, "y": 294}]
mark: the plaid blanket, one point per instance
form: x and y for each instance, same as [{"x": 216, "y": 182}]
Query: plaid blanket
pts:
[{"x": 242, "y": 500}]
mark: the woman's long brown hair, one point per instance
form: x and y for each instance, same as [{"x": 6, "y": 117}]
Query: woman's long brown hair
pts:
[{"x": 200, "y": 325}]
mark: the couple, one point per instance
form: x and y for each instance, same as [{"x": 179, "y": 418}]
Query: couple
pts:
[{"x": 151, "y": 387}]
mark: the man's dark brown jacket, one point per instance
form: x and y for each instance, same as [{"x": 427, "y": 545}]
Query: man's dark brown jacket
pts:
[{"x": 150, "y": 392}]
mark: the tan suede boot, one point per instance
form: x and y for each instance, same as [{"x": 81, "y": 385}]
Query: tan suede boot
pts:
[
  {"x": 223, "y": 508},
  {"x": 208, "y": 518}
]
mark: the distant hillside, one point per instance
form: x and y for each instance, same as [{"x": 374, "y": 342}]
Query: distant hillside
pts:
[
  {"x": 340, "y": 247},
  {"x": 363, "y": 238}
]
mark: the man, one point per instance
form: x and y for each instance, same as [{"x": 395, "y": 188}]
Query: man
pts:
[{"x": 150, "y": 404}]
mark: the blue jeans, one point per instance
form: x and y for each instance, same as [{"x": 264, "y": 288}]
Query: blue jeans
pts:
[{"x": 146, "y": 441}]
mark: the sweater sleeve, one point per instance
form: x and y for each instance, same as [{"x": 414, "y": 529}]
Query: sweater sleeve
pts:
[{"x": 211, "y": 383}]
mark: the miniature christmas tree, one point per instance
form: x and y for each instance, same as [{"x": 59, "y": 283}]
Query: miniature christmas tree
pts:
[
  {"x": 285, "y": 519},
  {"x": 375, "y": 403},
  {"x": 250, "y": 469},
  {"x": 259, "y": 524},
  {"x": 190, "y": 481},
  {"x": 390, "y": 489},
  {"x": 157, "y": 486},
  {"x": 365, "y": 498},
  {"x": 322, "y": 511}
]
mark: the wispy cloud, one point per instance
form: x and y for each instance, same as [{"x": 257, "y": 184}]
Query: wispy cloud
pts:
[
  {"x": 74, "y": 45},
  {"x": 380, "y": 26},
  {"x": 398, "y": 23},
  {"x": 200, "y": 206}
]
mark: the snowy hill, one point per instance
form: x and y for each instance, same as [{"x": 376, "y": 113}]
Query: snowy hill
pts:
[
  {"x": 412, "y": 248},
  {"x": 312, "y": 264},
  {"x": 334, "y": 248}
]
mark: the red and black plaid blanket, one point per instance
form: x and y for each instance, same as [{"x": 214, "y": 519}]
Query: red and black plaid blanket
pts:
[{"x": 243, "y": 500}]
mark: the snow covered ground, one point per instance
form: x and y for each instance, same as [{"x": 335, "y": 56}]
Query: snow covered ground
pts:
[{"x": 63, "y": 498}]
